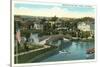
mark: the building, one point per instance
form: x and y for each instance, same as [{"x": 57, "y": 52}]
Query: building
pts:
[
  {"x": 34, "y": 38},
  {"x": 38, "y": 26},
  {"x": 83, "y": 26}
]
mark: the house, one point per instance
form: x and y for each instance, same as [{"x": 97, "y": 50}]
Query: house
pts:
[
  {"x": 83, "y": 26},
  {"x": 38, "y": 26},
  {"x": 34, "y": 38}
]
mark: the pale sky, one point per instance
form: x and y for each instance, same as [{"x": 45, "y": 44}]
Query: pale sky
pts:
[{"x": 50, "y": 10}]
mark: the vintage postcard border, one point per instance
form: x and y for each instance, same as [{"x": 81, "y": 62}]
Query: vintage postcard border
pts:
[{"x": 44, "y": 63}]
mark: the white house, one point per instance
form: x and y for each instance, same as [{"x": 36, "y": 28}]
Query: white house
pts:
[
  {"x": 34, "y": 38},
  {"x": 83, "y": 26},
  {"x": 38, "y": 26}
]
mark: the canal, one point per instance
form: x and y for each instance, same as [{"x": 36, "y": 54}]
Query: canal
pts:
[{"x": 75, "y": 50}]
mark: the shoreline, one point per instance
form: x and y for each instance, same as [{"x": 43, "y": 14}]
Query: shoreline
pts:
[
  {"x": 83, "y": 39},
  {"x": 24, "y": 58}
]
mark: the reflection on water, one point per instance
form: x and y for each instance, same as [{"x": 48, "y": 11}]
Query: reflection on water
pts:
[{"x": 71, "y": 51}]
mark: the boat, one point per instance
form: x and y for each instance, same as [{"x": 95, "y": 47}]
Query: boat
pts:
[
  {"x": 63, "y": 51},
  {"x": 65, "y": 39},
  {"x": 90, "y": 51}
]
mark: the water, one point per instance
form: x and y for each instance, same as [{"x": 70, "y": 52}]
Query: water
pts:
[{"x": 71, "y": 51}]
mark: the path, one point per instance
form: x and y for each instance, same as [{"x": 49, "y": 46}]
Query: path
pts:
[{"x": 45, "y": 46}]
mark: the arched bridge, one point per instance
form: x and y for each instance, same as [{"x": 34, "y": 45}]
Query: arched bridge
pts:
[{"x": 55, "y": 38}]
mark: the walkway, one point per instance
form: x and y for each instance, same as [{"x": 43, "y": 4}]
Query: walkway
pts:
[{"x": 45, "y": 46}]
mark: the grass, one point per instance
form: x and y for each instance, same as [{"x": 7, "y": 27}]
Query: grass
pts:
[
  {"x": 24, "y": 48},
  {"x": 25, "y": 58}
]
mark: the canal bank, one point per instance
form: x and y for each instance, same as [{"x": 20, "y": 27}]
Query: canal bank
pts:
[
  {"x": 43, "y": 56},
  {"x": 82, "y": 39},
  {"x": 34, "y": 56},
  {"x": 67, "y": 51}
]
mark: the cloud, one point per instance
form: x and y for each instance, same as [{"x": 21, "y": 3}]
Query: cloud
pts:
[
  {"x": 23, "y": 8},
  {"x": 50, "y": 12}
]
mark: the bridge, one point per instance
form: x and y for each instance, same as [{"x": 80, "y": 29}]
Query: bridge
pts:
[{"x": 55, "y": 38}]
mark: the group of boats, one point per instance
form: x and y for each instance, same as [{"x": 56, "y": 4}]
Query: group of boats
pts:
[{"x": 90, "y": 53}]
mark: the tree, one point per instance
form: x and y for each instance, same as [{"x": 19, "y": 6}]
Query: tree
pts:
[
  {"x": 54, "y": 18},
  {"x": 43, "y": 21},
  {"x": 26, "y": 33},
  {"x": 46, "y": 28},
  {"x": 17, "y": 25},
  {"x": 84, "y": 34}
]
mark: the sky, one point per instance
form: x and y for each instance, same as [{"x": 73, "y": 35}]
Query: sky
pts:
[{"x": 52, "y": 9}]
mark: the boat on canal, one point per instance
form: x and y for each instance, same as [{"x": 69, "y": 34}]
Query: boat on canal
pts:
[
  {"x": 64, "y": 51},
  {"x": 90, "y": 51}
]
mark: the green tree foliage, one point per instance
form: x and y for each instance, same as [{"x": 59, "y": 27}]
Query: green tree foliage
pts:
[
  {"x": 47, "y": 28},
  {"x": 26, "y": 33},
  {"x": 17, "y": 25},
  {"x": 66, "y": 25},
  {"x": 84, "y": 34},
  {"x": 54, "y": 18}
]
